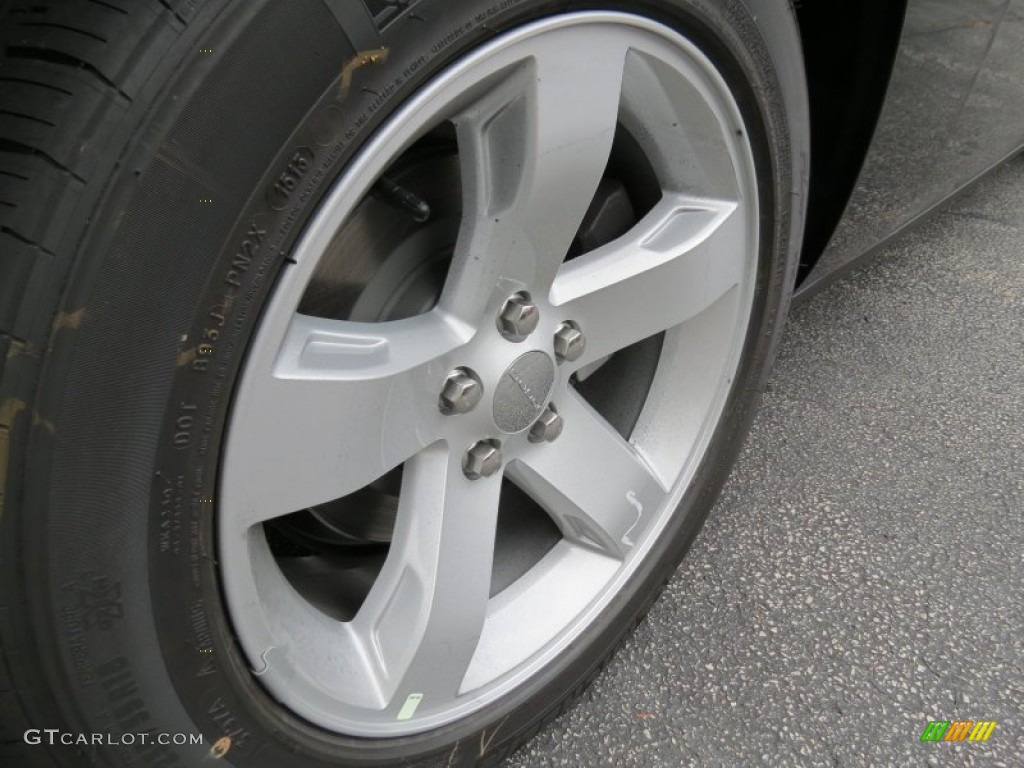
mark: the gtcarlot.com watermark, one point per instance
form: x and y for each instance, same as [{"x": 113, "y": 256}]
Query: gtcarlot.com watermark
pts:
[{"x": 54, "y": 736}]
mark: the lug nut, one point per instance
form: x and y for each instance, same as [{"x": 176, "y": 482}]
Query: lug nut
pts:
[
  {"x": 519, "y": 317},
  {"x": 569, "y": 342},
  {"x": 483, "y": 459},
  {"x": 461, "y": 392},
  {"x": 548, "y": 427}
]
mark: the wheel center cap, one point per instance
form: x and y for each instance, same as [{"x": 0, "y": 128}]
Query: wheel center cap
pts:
[{"x": 523, "y": 391}]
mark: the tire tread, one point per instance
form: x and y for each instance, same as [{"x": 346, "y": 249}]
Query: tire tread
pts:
[{"x": 69, "y": 72}]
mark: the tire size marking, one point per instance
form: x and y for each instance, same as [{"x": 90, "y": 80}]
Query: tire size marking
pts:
[
  {"x": 172, "y": 504},
  {"x": 183, "y": 424},
  {"x": 230, "y": 725},
  {"x": 129, "y": 712},
  {"x": 247, "y": 251},
  {"x": 279, "y": 196}
]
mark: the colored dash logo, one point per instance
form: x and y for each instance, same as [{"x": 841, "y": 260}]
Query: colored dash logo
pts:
[{"x": 958, "y": 730}]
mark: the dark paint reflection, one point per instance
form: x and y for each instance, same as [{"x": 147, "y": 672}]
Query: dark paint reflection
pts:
[{"x": 955, "y": 108}]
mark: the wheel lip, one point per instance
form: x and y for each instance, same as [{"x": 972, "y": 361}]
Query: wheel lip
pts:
[{"x": 348, "y": 191}]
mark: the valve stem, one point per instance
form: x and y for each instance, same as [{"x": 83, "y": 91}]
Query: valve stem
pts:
[{"x": 401, "y": 197}]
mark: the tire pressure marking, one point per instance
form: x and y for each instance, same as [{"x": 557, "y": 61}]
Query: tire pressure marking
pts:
[{"x": 409, "y": 708}]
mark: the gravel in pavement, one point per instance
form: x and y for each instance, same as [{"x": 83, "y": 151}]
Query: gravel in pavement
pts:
[{"x": 863, "y": 571}]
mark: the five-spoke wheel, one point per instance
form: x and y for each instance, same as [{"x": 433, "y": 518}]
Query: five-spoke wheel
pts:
[{"x": 481, "y": 388}]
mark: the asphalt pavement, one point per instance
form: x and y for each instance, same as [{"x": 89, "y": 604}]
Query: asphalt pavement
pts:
[{"x": 863, "y": 571}]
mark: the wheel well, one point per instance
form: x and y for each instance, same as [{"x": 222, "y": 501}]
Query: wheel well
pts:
[{"x": 849, "y": 53}]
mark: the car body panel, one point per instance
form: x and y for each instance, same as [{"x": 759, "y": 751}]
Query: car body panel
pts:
[{"x": 954, "y": 110}]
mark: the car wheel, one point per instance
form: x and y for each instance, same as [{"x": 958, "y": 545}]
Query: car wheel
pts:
[{"x": 364, "y": 387}]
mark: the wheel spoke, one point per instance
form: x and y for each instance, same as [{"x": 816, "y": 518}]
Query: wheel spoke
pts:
[
  {"x": 410, "y": 648},
  {"x": 533, "y": 151},
  {"x": 339, "y": 406},
  {"x": 425, "y": 613},
  {"x": 594, "y": 484},
  {"x": 682, "y": 258}
]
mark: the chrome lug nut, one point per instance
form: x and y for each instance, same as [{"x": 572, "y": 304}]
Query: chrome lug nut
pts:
[
  {"x": 548, "y": 427},
  {"x": 569, "y": 342},
  {"x": 483, "y": 459},
  {"x": 461, "y": 392},
  {"x": 519, "y": 317}
]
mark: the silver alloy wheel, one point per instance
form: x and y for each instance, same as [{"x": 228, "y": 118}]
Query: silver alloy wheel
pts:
[{"x": 325, "y": 407}]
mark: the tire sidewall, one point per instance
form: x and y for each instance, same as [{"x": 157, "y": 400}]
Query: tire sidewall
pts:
[{"x": 135, "y": 630}]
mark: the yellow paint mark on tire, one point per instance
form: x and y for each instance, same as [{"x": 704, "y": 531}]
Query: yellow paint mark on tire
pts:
[
  {"x": 68, "y": 319},
  {"x": 9, "y": 410},
  {"x": 360, "y": 60},
  {"x": 187, "y": 356},
  {"x": 220, "y": 747},
  {"x": 38, "y": 420},
  {"x": 22, "y": 349}
]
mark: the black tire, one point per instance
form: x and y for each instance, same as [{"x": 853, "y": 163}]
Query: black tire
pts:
[{"x": 117, "y": 119}]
